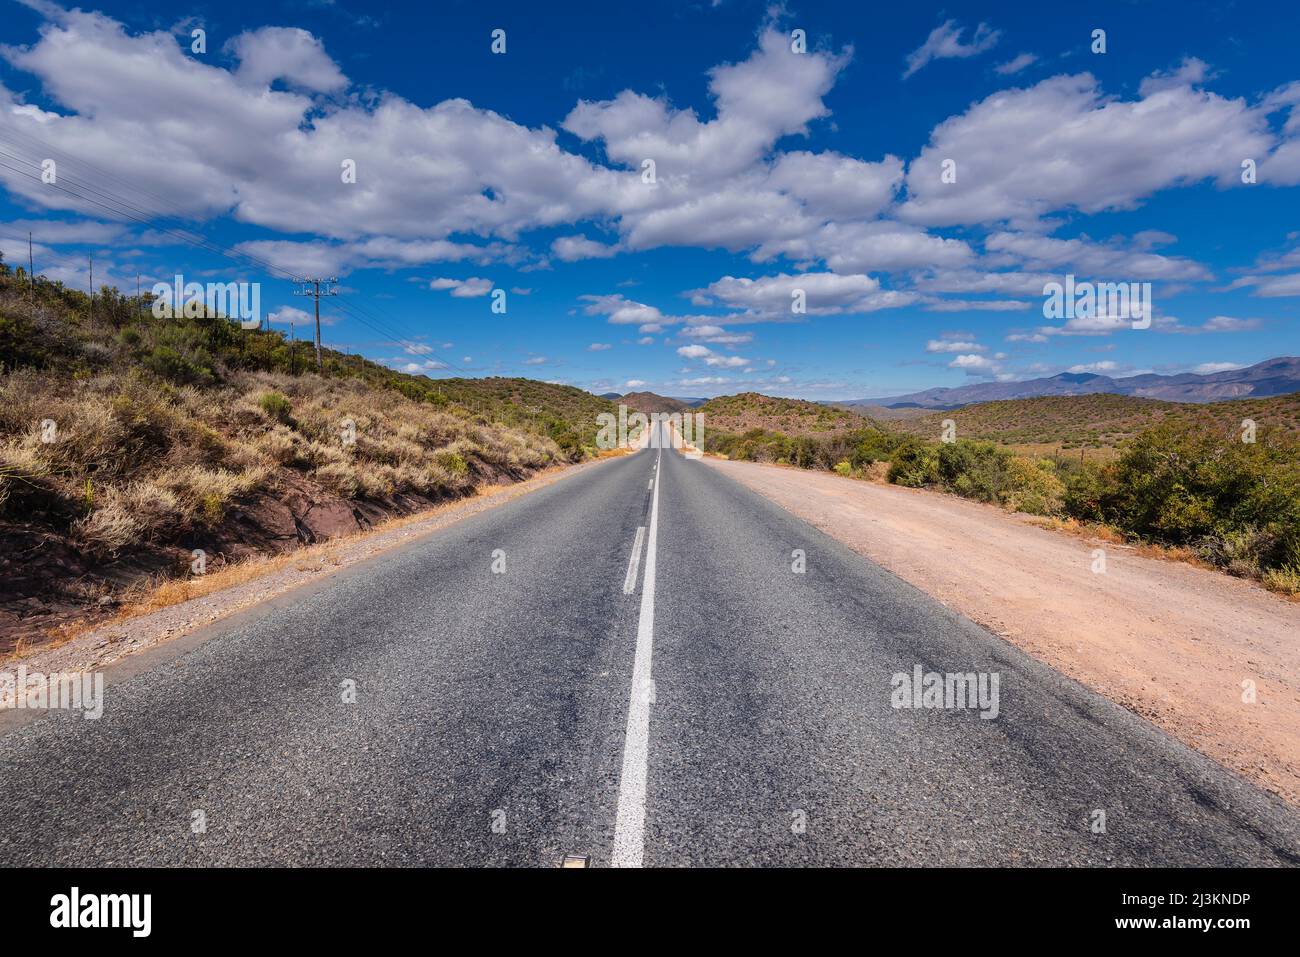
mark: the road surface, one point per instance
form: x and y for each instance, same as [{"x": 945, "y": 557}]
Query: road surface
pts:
[{"x": 625, "y": 665}]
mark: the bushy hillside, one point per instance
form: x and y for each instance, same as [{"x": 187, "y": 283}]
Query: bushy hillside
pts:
[
  {"x": 128, "y": 441},
  {"x": 752, "y": 410}
]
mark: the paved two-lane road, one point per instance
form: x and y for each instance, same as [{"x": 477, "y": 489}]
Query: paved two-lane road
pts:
[{"x": 625, "y": 664}]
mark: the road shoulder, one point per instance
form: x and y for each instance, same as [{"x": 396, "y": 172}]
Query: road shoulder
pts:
[
  {"x": 270, "y": 578},
  {"x": 1208, "y": 658}
]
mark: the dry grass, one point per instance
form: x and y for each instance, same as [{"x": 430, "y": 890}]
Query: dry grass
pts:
[{"x": 134, "y": 460}]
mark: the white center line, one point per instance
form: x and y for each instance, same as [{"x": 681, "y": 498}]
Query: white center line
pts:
[
  {"x": 629, "y": 583},
  {"x": 629, "y": 826}
]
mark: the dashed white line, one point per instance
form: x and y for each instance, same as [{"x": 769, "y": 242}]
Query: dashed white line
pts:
[
  {"x": 629, "y": 825},
  {"x": 629, "y": 583}
]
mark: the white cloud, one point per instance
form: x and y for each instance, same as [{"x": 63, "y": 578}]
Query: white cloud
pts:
[
  {"x": 1208, "y": 368},
  {"x": 1114, "y": 261},
  {"x": 953, "y": 345},
  {"x": 285, "y": 53},
  {"x": 301, "y": 318},
  {"x": 944, "y": 42},
  {"x": 463, "y": 288},
  {"x": 1270, "y": 286},
  {"x": 622, "y": 311},
  {"x": 1229, "y": 324},
  {"x": 774, "y": 93},
  {"x": 1099, "y": 368},
  {"x": 1016, "y": 64},
  {"x": 774, "y": 295},
  {"x": 834, "y": 185},
  {"x": 573, "y": 248},
  {"x": 974, "y": 365},
  {"x": 599, "y": 347},
  {"x": 860, "y": 247},
  {"x": 1076, "y": 148}
]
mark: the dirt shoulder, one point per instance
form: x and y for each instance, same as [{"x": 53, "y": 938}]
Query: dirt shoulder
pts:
[
  {"x": 185, "y": 606},
  {"x": 1167, "y": 640}
]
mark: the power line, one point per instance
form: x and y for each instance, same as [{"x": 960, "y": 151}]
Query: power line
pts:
[{"x": 315, "y": 293}]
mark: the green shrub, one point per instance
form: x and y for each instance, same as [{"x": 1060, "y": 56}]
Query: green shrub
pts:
[
  {"x": 453, "y": 462},
  {"x": 1033, "y": 487},
  {"x": 1285, "y": 579},
  {"x": 975, "y": 470},
  {"x": 277, "y": 406},
  {"x": 1090, "y": 492},
  {"x": 914, "y": 465}
]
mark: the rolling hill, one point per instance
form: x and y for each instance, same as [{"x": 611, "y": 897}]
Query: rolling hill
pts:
[
  {"x": 1268, "y": 378},
  {"x": 649, "y": 402},
  {"x": 795, "y": 417}
]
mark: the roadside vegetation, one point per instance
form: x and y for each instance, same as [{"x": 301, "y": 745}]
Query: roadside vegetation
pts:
[
  {"x": 1188, "y": 483},
  {"x": 127, "y": 440}
]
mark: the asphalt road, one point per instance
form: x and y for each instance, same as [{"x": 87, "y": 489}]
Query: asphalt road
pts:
[{"x": 526, "y": 688}]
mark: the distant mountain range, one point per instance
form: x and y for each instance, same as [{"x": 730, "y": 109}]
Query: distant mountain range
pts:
[{"x": 1267, "y": 378}]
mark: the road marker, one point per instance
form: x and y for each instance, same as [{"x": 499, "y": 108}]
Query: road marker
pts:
[
  {"x": 629, "y": 825},
  {"x": 576, "y": 860},
  {"x": 629, "y": 583}
]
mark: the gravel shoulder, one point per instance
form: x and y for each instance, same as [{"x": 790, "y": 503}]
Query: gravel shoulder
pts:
[{"x": 1166, "y": 640}]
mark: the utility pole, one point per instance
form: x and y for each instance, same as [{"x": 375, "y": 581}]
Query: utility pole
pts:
[
  {"x": 31, "y": 268},
  {"x": 92, "y": 286},
  {"x": 315, "y": 292},
  {"x": 292, "y": 343}
]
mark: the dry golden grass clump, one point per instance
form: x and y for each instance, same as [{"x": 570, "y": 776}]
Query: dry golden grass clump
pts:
[{"x": 128, "y": 459}]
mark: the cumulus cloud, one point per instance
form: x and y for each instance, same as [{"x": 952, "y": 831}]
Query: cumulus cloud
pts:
[
  {"x": 624, "y": 312},
  {"x": 774, "y": 93},
  {"x": 1075, "y": 148},
  {"x": 285, "y": 53},
  {"x": 772, "y": 297},
  {"x": 975, "y": 365}
]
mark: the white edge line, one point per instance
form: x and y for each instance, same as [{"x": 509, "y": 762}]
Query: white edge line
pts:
[
  {"x": 629, "y": 583},
  {"x": 629, "y": 825}
]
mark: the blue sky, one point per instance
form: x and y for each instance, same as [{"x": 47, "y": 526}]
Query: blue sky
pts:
[{"x": 776, "y": 169}]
